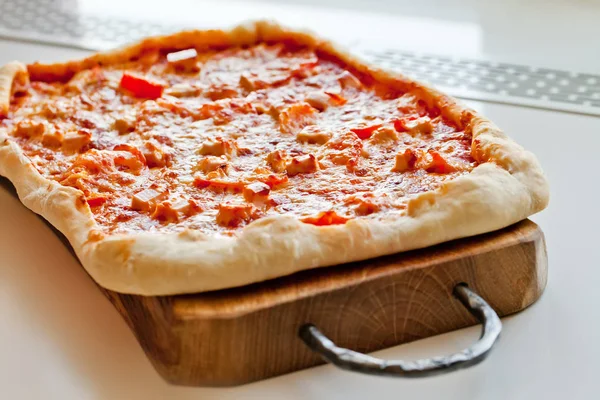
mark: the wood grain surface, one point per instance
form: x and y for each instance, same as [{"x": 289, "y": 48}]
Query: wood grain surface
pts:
[{"x": 230, "y": 337}]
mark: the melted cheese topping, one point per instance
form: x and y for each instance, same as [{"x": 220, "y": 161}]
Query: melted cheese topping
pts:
[{"x": 214, "y": 141}]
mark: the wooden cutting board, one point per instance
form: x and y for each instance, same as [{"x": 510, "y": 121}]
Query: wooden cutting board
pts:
[{"x": 230, "y": 337}]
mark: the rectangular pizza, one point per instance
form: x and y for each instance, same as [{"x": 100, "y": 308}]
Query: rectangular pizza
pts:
[{"x": 211, "y": 159}]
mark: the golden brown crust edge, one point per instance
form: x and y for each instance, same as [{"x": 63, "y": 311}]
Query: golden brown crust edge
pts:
[{"x": 507, "y": 188}]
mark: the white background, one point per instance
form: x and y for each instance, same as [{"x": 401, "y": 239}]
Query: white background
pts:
[{"x": 61, "y": 339}]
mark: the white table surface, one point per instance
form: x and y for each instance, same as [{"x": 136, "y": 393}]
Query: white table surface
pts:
[{"x": 61, "y": 339}]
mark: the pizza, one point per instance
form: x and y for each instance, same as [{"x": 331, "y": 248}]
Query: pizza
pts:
[{"x": 211, "y": 159}]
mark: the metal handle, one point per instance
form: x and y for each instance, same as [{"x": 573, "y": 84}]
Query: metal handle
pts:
[{"x": 358, "y": 362}]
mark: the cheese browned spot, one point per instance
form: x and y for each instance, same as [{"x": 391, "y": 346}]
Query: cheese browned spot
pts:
[{"x": 213, "y": 140}]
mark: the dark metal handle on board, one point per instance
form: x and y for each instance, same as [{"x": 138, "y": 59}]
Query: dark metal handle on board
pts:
[{"x": 358, "y": 362}]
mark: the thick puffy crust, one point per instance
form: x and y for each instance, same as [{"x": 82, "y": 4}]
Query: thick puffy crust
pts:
[
  {"x": 10, "y": 73},
  {"x": 507, "y": 187}
]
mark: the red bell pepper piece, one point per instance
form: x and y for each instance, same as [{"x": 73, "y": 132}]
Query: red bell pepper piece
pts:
[
  {"x": 365, "y": 132},
  {"x": 141, "y": 87}
]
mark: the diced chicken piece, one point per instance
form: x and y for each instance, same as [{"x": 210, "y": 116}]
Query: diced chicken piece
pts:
[
  {"x": 318, "y": 99},
  {"x": 277, "y": 160},
  {"x": 147, "y": 199},
  {"x": 184, "y": 60},
  {"x": 173, "y": 210},
  {"x": 128, "y": 161},
  {"x": 326, "y": 218},
  {"x": 29, "y": 129},
  {"x": 224, "y": 111},
  {"x": 125, "y": 123},
  {"x": 438, "y": 164},
  {"x": 296, "y": 117},
  {"x": 217, "y": 147},
  {"x": 75, "y": 141},
  {"x": 218, "y": 180},
  {"x": 183, "y": 90},
  {"x": 257, "y": 192},
  {"x": 383, "y": 135},
  {"x": 343, "y": 149},
  {"x": 182, "y": 55},
  {"x": 219, "y": 173},
  {"x": 232, "y": 215},
  {"x": 52, "y": 137},
  {"x": 212, "y": 163},
  {"x": 164, "y": 212},
  {"x": 275, "y": 180},
  {"x": 302, "y": 165},
  {"x": 184, "y": 206},
  {"x": 129, "y": 157},
  {"x": 347, "y": 80},
  {"x": 405, "y": 161},
  {"x": 264, "y": 175},
  {"x": 155, "y": 156},
  {"x": 313, "y": 135},
  {"x": 414, "y": 125}
]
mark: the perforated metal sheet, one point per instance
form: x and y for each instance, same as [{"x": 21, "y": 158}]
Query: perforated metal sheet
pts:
[
  {"x": 500, "y": 82},
  {"x": 57, "y": 22}
]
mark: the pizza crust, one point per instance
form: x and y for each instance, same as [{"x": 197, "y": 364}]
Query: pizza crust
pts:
[{"x": 509, "y": 186}]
